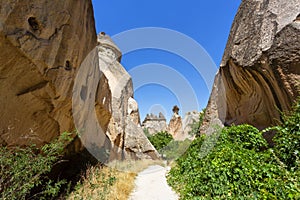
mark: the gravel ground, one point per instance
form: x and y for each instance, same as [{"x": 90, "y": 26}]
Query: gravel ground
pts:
[{"x": 151, "y": 184}]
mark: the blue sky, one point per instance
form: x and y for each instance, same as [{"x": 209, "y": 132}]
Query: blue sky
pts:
[{"x": 206, "y": 22}]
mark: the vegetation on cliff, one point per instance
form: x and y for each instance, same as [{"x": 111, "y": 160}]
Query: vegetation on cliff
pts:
[{"x": 240, "y": 166}]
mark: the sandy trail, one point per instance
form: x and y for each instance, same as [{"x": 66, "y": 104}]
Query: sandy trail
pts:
[{"x": 151, "y": 184}]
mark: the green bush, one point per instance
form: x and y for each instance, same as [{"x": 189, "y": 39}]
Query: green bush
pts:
[
  {"x": 175, "y": 149},
  {"x": 23, "y": 169},
  {"x": 287, "y": 138},
  {"x": 234, "y": 169},
  {"x": 246, "y": 136},
  {"x": 160, "y": 139}
]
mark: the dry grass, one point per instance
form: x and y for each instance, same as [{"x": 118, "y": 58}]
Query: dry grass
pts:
[
  {"x": 115, "y": 182},
  {"x": 104, "y": 183},
  {"x": 123, "y": 186},
  {"x": 134, "y": 166}
]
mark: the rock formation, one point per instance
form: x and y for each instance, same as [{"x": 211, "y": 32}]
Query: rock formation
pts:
[
  {"x": 189, "y": 119},
  {"x": 127, "y": 137},
  {"x": 43, "y": 46},
  {"x": 155, "y": 124},
  {"x": 175, "y": 125},
  {"x": 260, "y": 72}
]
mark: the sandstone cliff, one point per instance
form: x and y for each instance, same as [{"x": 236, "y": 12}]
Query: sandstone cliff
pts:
[
  {"x": 42, "y": 45},
  {"x": 124, "y": 130},
  {"x": 260, "y": 72}
]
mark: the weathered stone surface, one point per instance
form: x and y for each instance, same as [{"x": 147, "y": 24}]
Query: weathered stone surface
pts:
[
  {"x": 43, "y": 47},
  {"x": 189, "y": 119},
  {"x": 260, "y": 70},
  {"x": 42, "y": 44},
  {"x": 175, "y": 125},
  {"x": 125, "y": 133},
  {"x": 133, "y": 111},
  {"x": 136, "y": 144},
  {"x": 154, "y": 124}
]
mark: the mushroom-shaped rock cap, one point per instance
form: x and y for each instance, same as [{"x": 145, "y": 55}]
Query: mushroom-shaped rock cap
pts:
[{"x": 105, "y": 41}]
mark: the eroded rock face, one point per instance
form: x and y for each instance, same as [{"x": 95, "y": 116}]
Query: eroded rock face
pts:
[
  {"x": 43, "y": 47},
  {"x": 260, "y": 71},
  {"x": 155, "y": 124},
  {"x": 42, "y": 44},
  {"x": 175, "y": 125},
  {"x": 189, "y": 119},
  {"x": 124, "y": 130}
]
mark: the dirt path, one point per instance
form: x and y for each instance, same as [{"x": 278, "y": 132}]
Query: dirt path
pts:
[{"x": 151, "y": 184}]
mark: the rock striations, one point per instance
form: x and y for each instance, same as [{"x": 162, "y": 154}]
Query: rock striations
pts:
[
  {"x": 43, "y": 45},
  {"x": 260, "y": 71},
  {"x": 124, "y": 130}
]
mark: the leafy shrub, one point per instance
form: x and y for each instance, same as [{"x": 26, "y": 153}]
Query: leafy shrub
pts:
[
  {"x": 160, "y": 139},
  {"x": 22, "y": 170},
  {"x": 234, "y": 169},
  {"x": 175, "y": 149},
  {"x": 287, "y": 138},
  {"x": 245, "y": 135}
]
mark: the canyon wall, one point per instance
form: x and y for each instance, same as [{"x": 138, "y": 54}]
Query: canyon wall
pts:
[
  {"x": 260, "y": 71},
  {"x": 43, "y": 46}
]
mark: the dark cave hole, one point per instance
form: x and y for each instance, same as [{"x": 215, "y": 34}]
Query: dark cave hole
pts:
[
  {"x": 68, "y": 65},
  {"x": 33, "y": 23}
]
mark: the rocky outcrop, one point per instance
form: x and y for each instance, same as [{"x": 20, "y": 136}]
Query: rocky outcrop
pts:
[
  {"x": 43, "y": 47},
  {"x": 124, "y": 131},
  {"x": 189, "y": 119},
  {"x": 175, "y": 125},
  {"x": 154, "y": 124},
  {"x": 260, "y": 71},
  {"x": 42, "y": 44}
]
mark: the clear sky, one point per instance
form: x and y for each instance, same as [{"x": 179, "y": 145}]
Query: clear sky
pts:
[{"x": 162, "y": 79}]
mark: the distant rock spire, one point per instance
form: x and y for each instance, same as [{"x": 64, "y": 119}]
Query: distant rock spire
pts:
[{"x": 175, "y": 109}]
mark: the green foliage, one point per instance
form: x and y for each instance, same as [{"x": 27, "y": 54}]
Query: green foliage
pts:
[
  {"x": 175, "y": 149},
  {"x": 287, "y": 138},
  {"x": 246, "y": 136},
  {"x": 196, "y": 125},
  {"x": 160, "y": 139},
  {"x": 235, "y": 168},
  {"x": 22, "y": 170}
]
